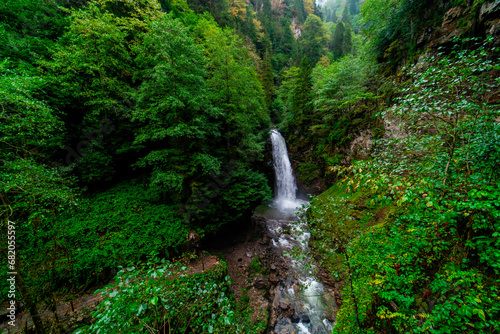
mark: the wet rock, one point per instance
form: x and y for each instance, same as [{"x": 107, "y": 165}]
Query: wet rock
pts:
[
  {"x": 295, "y": 318},
  {"x": 261, "y": 283},
  {"x": 305, "y": 319},
  {"x": 489, "y": 9},
  {"x": 284, "y": 305}
]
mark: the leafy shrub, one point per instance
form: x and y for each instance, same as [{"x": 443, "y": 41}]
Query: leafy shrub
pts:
[
  {"x": 117, "y": 226},
  {"x": 165, "y": 297}
]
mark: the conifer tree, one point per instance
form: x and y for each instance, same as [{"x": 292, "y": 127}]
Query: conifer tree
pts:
[
  {"x": 266, "y": 77},
  {"x": 347, "y": 41},
  {"x": 334, "y": 17},
  {"x": 353, "y": 6},
  {"x": 338, "y": 41},
  {"x": 345, "y": 15},
  {"x": 314, "y": 38},
  {"x": 302, "y": 98},
  {"x": 300, "y": 11}
]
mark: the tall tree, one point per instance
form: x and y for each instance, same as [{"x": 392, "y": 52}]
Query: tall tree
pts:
[
  {"x": 338, "y": 41},
  {"x": 300, "y": 11},
  {"x": 302, "y": 97},
  {"x": 347, "y": 41},
  {"x": 317, "y": 11},
  {"x": 173, "y": 108},
  {"x": 92, "y": 74},
  {"x": 353, "y": 6},
  {"x": 266, "y": 77},
  {"x": 31, "y": 191},
  {"x": 314, "y": 38},
  {"x": 235, "y": 89},
  {"x": 345, "y": 15}
]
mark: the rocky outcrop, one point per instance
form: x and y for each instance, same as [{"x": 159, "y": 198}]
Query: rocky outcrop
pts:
[
  {"x": 489, "y": 17},
  {"x": 465, "y": 20}
]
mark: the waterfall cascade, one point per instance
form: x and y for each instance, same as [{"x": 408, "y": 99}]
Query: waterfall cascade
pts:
[
  {"x": 286, "y": 187},
  {"x": 312, "y": 306}
]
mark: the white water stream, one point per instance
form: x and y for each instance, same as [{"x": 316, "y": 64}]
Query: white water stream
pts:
[{"x": 301, "y": 289}]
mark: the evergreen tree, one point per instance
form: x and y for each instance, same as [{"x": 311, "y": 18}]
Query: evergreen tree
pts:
[
  {"x": 302, "y": 96},
  {"x": 353, "y": 6},
  {"x": 317, "y": 11},
  {"x": 338, "y": 41},
  {"x": 347, "y": 41},
  {"x": 314, "y": 38},
  {"x": 345, "y": 15},
  {"x": 266, "y": 77},
  {"x": 300, "y": 11},
  {"x": 328, "y": 14},
  {"x": 334, "y": 17}
]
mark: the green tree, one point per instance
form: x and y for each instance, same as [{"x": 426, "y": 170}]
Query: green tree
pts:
[
  {"x": 300, "y": 11},
  {"x": 266, "y": 77},
  {"x": 29, "y": 30},
  {"x": 92, "y": 75},
  {"x": 173, "y": 110},
  {"x": 314, "y": 38},
  {"x": 345, "y": 15},
  {"x": 235, "y": 89},
  {"x": 347, "y": 41},
  {"x": 353, "y": 6},
  {"x": 302, "y": 97},
  {"x": 338, "y": 41},
  {"x": 31, "y": 191}
]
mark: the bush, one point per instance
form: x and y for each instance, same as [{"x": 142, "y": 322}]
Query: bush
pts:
[{"x": 164, "y": 297}]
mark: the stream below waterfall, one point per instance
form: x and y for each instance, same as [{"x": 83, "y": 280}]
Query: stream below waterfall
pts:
[{"x": 301, "y": 303}]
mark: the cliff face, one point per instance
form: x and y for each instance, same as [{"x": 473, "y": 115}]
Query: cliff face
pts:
[{"x": 469, "y": 19}]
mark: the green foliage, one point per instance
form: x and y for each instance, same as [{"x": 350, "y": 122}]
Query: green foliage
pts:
[
  {"x": 165, "y": 297},
  {"x": 419, "y": 221},
  {"x": 29, "y": 30},
  {"x": 119, "y": 225},
  {"x": 229, "y": 198},
  {"x": 235, "y": 89},
  {"x": 108, "y": 229},
  {"x": 255, "y": 267},
  {"x": 338, "y": 41},
  {"x": 314, "y": 38},
  {"x": 91, "y": 77},
  {"x": 392, "y": 26},
  {"x": 343, "y": 101},
  {"x": 173, "y": 109}
]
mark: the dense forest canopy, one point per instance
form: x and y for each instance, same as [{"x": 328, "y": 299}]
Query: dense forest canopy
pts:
[{"x": 126, "y": 127}]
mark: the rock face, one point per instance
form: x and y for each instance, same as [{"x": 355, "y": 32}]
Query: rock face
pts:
[
  {"x": 462, "y": 21},
  {"x": 489, "y": 17}
]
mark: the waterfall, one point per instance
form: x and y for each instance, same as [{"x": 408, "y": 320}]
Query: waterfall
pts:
[
  {"x": 301, "y": 303},
  {"x": 286, "y": 187}
]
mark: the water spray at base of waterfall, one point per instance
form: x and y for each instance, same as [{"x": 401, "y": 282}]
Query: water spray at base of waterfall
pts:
[{"x": 305, "y": 296}]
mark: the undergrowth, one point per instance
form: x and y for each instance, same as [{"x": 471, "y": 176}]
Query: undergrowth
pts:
[{"x": 414, "y": 230}]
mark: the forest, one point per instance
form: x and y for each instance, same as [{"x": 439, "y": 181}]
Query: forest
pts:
[{"x": 135, "y": 136}]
